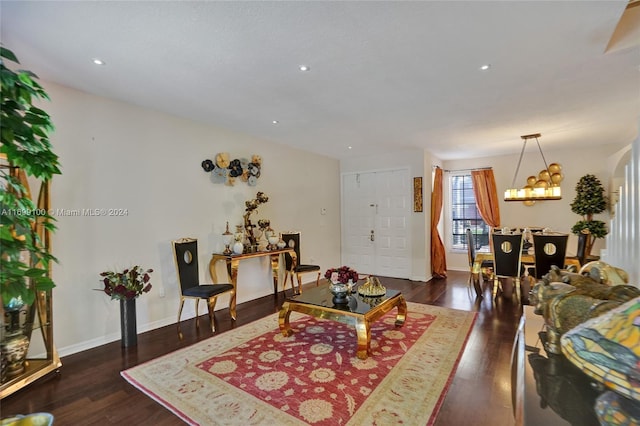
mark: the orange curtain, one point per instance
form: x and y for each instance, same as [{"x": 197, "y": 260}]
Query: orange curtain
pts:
[
  {"x": 484, "y": 188},
  {"x": 438, "y": 258}
]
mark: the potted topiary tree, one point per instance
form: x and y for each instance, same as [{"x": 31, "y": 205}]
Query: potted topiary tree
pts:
[
  {"x": 590, "y": 200},
  {"x": 25, "y": 152}
]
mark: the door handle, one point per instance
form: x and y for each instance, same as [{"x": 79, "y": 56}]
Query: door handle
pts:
[{"x": 373, "y": 237}]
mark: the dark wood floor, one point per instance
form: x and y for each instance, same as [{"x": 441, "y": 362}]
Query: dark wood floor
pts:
[{"x": 89, "y": 389}]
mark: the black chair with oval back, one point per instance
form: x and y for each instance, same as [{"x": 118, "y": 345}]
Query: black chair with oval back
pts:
[
  {"x": 486, "y": 267},
  {"x": 549, "y": 249},
  {"x": 292, "y": 240},
  {"x": 185, "y": 254},
  {"x": 506, "y": 260}
]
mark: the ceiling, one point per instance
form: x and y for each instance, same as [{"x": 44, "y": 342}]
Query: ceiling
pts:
[{"x": 383, "y": 75}]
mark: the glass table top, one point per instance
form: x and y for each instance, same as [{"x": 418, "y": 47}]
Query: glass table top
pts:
[{"x": 321, "y": 296}]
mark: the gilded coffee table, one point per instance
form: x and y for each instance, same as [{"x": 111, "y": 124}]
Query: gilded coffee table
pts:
[{"x": 357, "y": 312}]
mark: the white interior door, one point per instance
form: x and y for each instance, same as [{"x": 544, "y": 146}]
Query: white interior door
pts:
[
  {"x": 358, "y": 213},
  {"x": 376, "y": 212}
]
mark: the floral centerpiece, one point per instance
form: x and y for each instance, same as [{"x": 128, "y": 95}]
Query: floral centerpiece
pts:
[
  {"x": 341, "y": 275},
  {"x": 128, "y": 284},
  {"x": 341, "y": 281}
]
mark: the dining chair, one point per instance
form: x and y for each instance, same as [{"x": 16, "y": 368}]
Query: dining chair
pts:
[
  {"x": 506, "y": 260},
  {"x": 581, "y": 252},
  {"x": 292, "y": 240},
  {"x": 185, "y": 254},
  {"x": 579, "y": 258},
  {"x": 485, "y": 267},
  {"x": 549, "y": 249}
]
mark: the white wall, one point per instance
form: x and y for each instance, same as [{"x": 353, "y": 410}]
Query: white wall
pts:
[
  {"x": 115, "y": 155},
  {"x": 554, "y": 214},
  {"x": 623, "y": 240},
  {"x": 419, "y": 164}
]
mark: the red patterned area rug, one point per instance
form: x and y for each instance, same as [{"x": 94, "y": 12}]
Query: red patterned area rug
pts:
[{"x": 253, "y": 375}]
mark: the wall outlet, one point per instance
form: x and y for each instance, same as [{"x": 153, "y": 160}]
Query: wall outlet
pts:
[{"x": 161, "y": 291}]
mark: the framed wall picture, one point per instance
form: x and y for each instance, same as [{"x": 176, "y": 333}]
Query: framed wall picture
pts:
[{"x": 417, "y": 194}]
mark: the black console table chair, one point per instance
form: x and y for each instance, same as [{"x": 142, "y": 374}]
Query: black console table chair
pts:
[
  {"x": 292, "y": 240},
  {"x": 185, "y": 253}
]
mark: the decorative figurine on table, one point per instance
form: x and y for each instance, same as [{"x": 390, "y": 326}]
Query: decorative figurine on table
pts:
[
  {"x": 227, "y": 239},
  {"x": 607, "y": 348},
  {"x": 262, "y": 238},
  {"x": 372, "y": 288},
  {"x": 272, "y": 237},
  {"x": 567, "y": 299},
  {"x": 238, "y": 246},
  {"x": 273, "y": 242},
  {"x": 251, "y": 206}
]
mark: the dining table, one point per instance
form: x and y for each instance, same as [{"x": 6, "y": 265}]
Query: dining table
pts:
[{"x": 526, "y": 258}]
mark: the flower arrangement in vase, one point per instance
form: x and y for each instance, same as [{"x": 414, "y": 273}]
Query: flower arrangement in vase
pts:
[
  {"x": 341, "y": 275},
  {"x": 341, "y": 283},
  {"x": 128, "y": 284}
]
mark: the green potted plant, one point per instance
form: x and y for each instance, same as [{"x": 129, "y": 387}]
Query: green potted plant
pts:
[
  {"x": 25, "y": 145},
  {"x": 590, "y": 200},
  {"x": 25, "y": 226}
]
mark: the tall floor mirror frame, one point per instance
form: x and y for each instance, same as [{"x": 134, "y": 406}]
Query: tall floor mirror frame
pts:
[{"x": 38, "y": 317}]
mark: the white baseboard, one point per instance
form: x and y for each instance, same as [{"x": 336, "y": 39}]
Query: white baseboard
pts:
[{"x": 112, "y": 337}]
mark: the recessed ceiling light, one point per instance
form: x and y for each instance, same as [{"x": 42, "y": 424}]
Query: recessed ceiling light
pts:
[
  {"x": 304, "y": 68},
  {"x": 350, "y": 147},
  {"x": 275, "y": 122},
  {"x": 485, "y": 67},
  {"x": 98, "y": 61}
]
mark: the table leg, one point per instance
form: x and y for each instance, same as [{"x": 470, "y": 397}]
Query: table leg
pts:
[
  {"x": 283, "y": 320},
  {"x": 475, "y": 275},
  {"x": 232, "y": 305},
  {"x": 402, "y": 312},
  {"x": 232, "y": 270},
  {"x": 363, "y": 330},
  {"x": 275, "y": 265},
  {"x": 476, "y": 284}
]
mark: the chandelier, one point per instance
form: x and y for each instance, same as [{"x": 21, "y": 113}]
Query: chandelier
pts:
[{"x": 546, "y": 186}]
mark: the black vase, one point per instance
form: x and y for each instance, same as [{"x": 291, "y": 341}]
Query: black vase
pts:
[{"x": 128, "y": 328}]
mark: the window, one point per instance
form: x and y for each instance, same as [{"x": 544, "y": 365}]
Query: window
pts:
[{"x": 465, "y": 214}]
